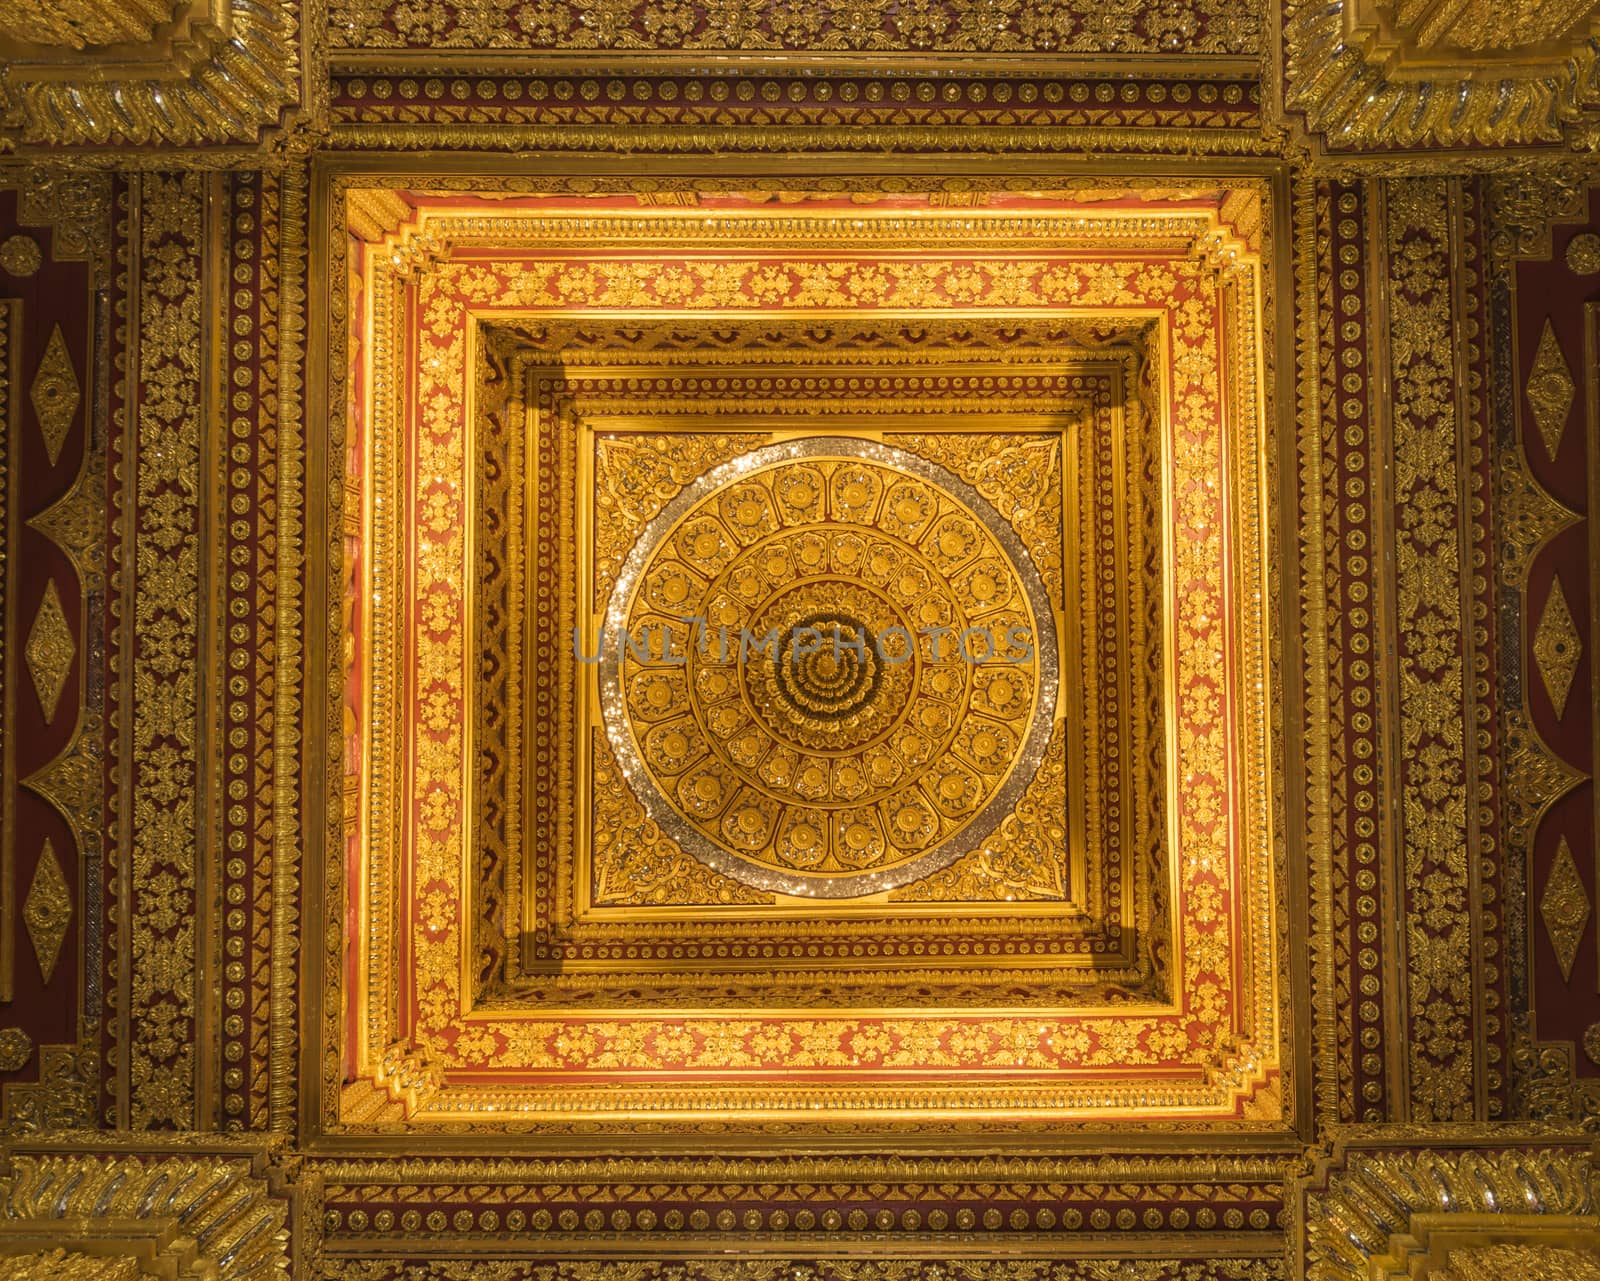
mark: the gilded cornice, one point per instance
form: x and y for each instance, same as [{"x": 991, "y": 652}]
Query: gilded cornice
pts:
[
  {"x": 219, "y": 75},
  {"x": 1388, "y": 1201},
  {"x": 1369, "y": 76}
]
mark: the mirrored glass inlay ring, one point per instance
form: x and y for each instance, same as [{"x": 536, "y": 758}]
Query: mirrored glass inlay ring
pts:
[{"x": 828, "y": 668}]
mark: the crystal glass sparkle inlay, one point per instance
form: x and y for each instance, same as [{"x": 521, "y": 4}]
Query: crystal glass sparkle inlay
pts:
[{"x": 829, "y": 668}]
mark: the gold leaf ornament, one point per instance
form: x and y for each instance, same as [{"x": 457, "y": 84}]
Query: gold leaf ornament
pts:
[
  {"x": 20, "y": 256},
  {"x": 55, "y": 394},
  {"x": 1550, "y": 390},
  {"x": 49, "y": 651},
  {"x": 47, "y": 911},
  {"x": 1565, "y": 909},
  {"x": 1557, "y": 648},
  {"x": 16, "y": 1048},
  {"x": 1583, "y": 254}
]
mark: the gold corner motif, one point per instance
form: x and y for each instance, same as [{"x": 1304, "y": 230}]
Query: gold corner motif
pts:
[
  {"x": 373, "y": 213},
  {"x": 1390, "y": 1200},
  {"x": 636, "y": 864},
  {"x": 224, "y": 73},
  {"x": 188, "y": 1204},
  {"x": 1375, "y": 76}
]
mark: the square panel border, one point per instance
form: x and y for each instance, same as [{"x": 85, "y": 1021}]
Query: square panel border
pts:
[{"x": 1214, "y": 250}]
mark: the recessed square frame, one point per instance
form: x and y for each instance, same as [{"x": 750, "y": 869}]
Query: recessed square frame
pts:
[
  {"x": 956, "y": 402},
  {"x": 935, "y": 429},
  {"x": 548, "y": 1095}
]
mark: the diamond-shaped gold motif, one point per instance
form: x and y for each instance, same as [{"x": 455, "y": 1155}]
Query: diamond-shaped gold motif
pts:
[
  {"x": 47, "y": 910},
  {"x": 1565, "y": 908},
  {"x": 1550, "y": 390},
  {"x": 1556, "y": 648},
  {"x": 49, "y": 651},
  {"x": 55, "y": 395}
]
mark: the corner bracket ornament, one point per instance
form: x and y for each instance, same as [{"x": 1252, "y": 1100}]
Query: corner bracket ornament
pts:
[
  {"x": 215, "y": 75},
  {"x": 187, "y": 1206},
  {"x": 1526, "y": 201},
  {"x": 1374, "y": 75},
  {"x": 1407, "y": 1201}
]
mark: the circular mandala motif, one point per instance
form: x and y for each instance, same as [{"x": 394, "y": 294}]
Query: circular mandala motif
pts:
[
  {"x": 16, "y": 1048},
  {"x": 830, "y": 668},
  {"x": 20, "y": 256},
  {"x": 1591, "y": 1043},
  {"x": 1583, "y": 254}
]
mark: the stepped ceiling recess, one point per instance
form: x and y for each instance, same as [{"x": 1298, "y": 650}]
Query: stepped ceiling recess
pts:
[{"x": 878, "y": 640}]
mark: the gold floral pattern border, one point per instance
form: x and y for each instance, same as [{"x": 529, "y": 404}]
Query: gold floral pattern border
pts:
[
  {"x": 871, "y": 27},
  {"x": 1447, "y": 826},
  {"x": 1191, "y": 292}
]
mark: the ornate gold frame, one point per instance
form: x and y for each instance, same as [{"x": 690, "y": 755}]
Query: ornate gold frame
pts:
[
  {"x": 907, "y": 364},
  {"x": 204, "y": 780},
  {"x": 1196, "y": 248}
]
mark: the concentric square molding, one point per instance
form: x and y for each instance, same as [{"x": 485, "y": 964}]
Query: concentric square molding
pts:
[
  {"x": 1080, "y": 886},
  {"x": 429, "y": 1045}
]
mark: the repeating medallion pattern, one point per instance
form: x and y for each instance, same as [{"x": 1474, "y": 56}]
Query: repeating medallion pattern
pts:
[{"x": 866, "y": 661}]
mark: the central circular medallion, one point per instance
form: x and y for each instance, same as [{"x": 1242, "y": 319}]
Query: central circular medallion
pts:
[
  {"x": 829, "y": 668},
  {"x": 825, "y": 668},
  {"x": 824, "y": 687}
]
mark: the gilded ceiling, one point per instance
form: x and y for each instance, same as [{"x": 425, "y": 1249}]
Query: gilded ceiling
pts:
[{"x": 879, "y": 640}]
